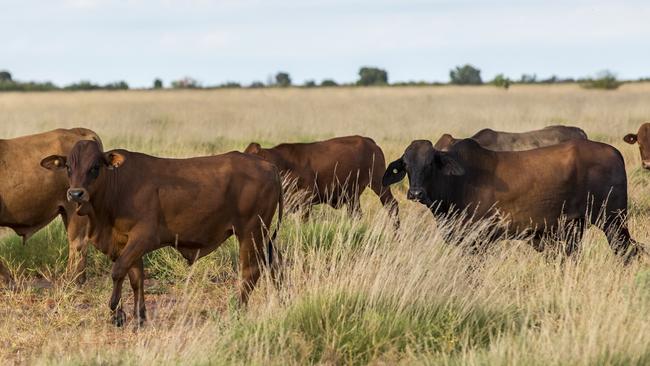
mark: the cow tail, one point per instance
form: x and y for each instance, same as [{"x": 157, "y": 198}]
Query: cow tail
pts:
[{"x": 275, "y": 233}]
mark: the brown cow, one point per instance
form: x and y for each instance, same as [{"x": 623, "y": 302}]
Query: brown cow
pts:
[
  {"x": 30, "y": 198},
  {"x": 335, "y": 171},
  {"x": 513, "y": 141},
  {"x": 138, "y": 203},
  {"x": 534, "y": 191},
  {"x": 642, "y": 137}
]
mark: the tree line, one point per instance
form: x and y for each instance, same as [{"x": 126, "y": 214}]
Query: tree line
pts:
[{"x": 368, "y": 76}]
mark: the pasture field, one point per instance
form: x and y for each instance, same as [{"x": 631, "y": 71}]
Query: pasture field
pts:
[{"x": 354, "y": 291}]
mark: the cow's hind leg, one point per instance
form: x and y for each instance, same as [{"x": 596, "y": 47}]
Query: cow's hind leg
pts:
[
  {"x": 251, "y": 257},
  {"x": 620, "y": 240}
]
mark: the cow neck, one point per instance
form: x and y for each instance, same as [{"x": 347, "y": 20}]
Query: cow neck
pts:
[{"x": 104, "y": 202}]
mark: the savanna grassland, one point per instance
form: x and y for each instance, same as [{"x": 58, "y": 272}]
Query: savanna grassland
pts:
[{"x": 354, "y": 291}]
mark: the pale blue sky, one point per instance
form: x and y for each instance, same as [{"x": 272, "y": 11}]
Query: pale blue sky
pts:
[{"x": 218, "y": 41}]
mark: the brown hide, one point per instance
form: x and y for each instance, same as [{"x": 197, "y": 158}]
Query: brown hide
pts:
[
  {"x": 642, "y": 137},
  {"x": 31, "y": 197},
  {"x": 518, "y": 141},
  {"x": 335, "y": 171},
  {"x": 138, "y": 203}
]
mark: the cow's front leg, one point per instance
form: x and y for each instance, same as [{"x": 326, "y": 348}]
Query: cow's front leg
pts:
[
  {"x": 130, "y": 256},
  {"x": 77, "y": 229}
]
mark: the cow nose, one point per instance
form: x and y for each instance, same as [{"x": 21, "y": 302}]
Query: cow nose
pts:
[
  {"x": 75, "y": 194},
  {"x": 415, "y": 194},
  {"x": 645, "y": 164}
]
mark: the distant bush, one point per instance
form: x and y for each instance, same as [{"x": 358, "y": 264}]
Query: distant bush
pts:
[
  {"x": 501, "y": 81},
  {"x": 604, "y": 80},
  {"x": 309, "y": 84},
  {"x": 230, "y": 85},
  {"x": 186, "y": 83},
  {"x": 528, "y": 79},
  {"x": 372, "y": 76},
  {"x": 157, "y": 84},
  {"x": 466, "y": 75},
  {"x": 5, "y": 76},
  {"x": 82, "y": 85},
  {"x": 282, "y": 79},
  {"x": 118, "y": 85},
  {"x": 328, "y": 82}
]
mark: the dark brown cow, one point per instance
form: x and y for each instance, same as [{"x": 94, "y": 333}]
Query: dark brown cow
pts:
[
  {"x": 335, "y": 171},
  {"x": 513, "y": 141},
  {"x": 534, "y": 191},
  {"x": 30, "y": 198},
  {"x": 138, "y": 203},
  {"x": 642, "y": 137}
]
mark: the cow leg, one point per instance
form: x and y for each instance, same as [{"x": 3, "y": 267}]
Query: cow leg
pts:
[
  {"x": 130, "y": 256},
  {"x": 576, "y": 230},
  {"x": 77, "y": 230},
  {"x": 620, "y": 240},
  {"x": 386, "y": 197},
  {"x": 251, "y": 252},
  {"x": 6, "y": 276},
  {"x": 136, "y": 277}
]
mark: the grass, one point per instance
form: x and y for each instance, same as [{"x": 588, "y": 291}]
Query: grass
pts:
[{"x": 354, "y": 291}]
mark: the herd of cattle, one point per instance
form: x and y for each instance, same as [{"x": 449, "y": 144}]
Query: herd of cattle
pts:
[{"x": 128, "y": 204}]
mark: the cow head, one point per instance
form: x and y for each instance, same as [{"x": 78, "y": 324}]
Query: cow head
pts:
[
  {"x": 423, "y": 164},
  {"x": 86, "y": 165},
  {"x": 642, "y": 137}
]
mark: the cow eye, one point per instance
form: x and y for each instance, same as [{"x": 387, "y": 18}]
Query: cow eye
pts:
[{"x": 94, "y": 171}]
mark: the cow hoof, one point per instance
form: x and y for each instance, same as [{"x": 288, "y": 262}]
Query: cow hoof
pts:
[{"x": 119, "y": 318}]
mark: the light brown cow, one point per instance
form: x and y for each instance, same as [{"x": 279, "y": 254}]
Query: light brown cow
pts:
[
  {"x": 30, "y": 197},
  {"x": 138, "y": 203},
  {"x": 642, "y": 137},
  {"x": 517, "y": 141},
  {"x": 335, "y": 171}
]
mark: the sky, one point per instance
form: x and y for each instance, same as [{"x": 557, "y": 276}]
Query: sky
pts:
[{"x": 218, "y": 41}]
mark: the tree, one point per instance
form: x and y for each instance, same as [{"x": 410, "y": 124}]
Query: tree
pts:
[
  {"x": 372, "y": 76},
  {"x": 501, "y": 81},
  {"x": 118, "y": 85},
  {"x": 528, "y": 79},
  {"x": 604, "y": 80},
  {"x": 186, "y": 83},
  {"x": 310, "y": 84},
  {"x": 157, "y": 84},
  {"x": 5, "y": 76},
  {"x": 283, "y": 79},
  {"x": 465, "y": 75},
  {"x": 256, "y": 84},
  {"x": 328, "y": 82}
]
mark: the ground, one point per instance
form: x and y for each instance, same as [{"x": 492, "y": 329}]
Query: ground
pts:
[{"x": 354, "y": 291}]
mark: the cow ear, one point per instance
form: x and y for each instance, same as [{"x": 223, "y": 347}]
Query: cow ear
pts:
[
  {"x": 630, "y": 138},
  {"x": 394, "y": 173},
  {"x": 448, "y": 165},
  {"x": 253, "y": 148},
  {"x": 114, "y": 160},
  {"x": 54, "y": 162}
]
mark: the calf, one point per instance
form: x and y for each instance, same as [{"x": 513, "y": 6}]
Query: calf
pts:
[
  {"x": 642, "y": 137},
  {"x": 138, "y": 203},
  {"x": 335, "y": 171},
  {"x": 534, "y": 191}
]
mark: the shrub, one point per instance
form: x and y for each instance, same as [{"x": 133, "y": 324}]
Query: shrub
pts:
[
  {"x": 501, "y": 81},
  {"x": 604, "y": 80},
  {"x": 328, "y": 82},
  {"x": 257, "y": 84},
  {"x": 186, "y": 83},
  {"x": 5, "y": 76},
  {"x": 310, "y": 84},
  {"x": 372, "y": 76},
  {"x": 466, "y": 75},
  {"x": 157, "y": 84},
  {"x": 282, "y": 79},
  {"x": 117, "y": 85},
  {"x": 82, "y": 85}
]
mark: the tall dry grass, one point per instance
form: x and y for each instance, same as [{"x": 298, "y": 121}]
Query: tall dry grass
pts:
[{"x": 354, "y": 291}]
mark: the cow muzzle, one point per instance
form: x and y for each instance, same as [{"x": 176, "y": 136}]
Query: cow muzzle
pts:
[
  {"x": 77, "y": 195},
  {"x": 645, "y": 164},
  {"x": 418, "y": 195}
]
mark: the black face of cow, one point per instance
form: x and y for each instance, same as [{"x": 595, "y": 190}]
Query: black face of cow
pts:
[
  {"x": 85, "y": 166},
  {"x": 422, "y": 163},
  {"x": 642, "y": 137}
]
